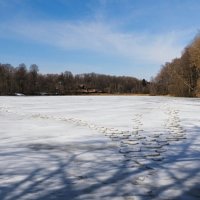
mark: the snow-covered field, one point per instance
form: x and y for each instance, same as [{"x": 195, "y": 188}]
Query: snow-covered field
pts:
[{"x": 99, "y": 147}]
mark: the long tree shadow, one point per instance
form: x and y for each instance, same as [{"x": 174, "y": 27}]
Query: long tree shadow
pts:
[
  {"x": 95, "y": 170},
  {"x": 182, "y": 168},
  {"x": 71, "y": 171}
]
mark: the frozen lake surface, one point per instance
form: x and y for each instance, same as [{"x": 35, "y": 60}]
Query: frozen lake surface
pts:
[{"x": 99, "y": 147}]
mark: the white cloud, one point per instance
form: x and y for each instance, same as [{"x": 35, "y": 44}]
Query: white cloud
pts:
[{"x": 100, "y": 37}]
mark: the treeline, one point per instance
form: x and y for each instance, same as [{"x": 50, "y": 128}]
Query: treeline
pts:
[
  {"x": 14, "y": 80},
  {"x": 181, "y": 76}
]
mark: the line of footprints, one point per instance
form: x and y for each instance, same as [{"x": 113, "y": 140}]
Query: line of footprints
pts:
[{"x": 135, "y": 145}]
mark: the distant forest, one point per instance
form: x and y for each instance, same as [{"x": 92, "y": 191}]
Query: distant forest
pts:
[
  {"x": 180, "y": 77},
  {"x": 20, "y": 80}
]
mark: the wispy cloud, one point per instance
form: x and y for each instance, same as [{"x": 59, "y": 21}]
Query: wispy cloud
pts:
[{"x": 99, "y": 37}]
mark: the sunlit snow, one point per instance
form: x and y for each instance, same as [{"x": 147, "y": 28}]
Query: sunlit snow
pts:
[{"x": 99, "y": 147}]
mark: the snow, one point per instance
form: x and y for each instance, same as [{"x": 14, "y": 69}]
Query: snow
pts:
[{"x": 99, "y": 147}]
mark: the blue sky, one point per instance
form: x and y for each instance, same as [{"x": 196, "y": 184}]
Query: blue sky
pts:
[{"x": 118, "y": 37}]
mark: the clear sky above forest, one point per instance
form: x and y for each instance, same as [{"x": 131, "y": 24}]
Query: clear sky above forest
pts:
[{"x": 117, "y": 37}]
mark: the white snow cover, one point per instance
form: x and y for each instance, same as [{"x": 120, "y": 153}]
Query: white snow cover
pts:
[{"x": 99, "y": 147}]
